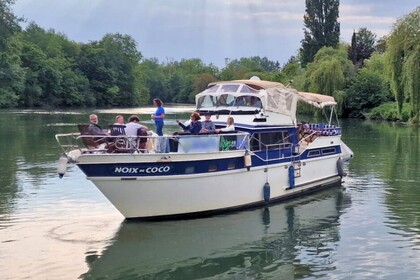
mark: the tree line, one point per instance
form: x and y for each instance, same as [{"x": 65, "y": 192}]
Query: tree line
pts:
[{"x": 368, "y": 77}]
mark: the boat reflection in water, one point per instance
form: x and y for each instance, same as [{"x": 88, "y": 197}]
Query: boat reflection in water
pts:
[{"x": 288, "y": 240}]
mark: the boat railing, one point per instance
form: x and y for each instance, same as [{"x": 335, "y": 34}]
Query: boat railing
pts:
[
  {"x": 178, "y": 143},
  {"x": 274, "y": 152},
  {"x": 309, "y": 131}
]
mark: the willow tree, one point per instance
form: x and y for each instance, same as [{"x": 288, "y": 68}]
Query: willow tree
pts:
[{"x": 404, "y": 60}]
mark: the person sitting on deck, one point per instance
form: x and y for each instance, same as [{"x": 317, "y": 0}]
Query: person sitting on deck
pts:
[
  {"x": 240, "y": 101},
  {"x": 195, "y": 126},
  {"x": 133, "y": 126},
  {"x": 208, "y": 125},
  {"x": 94, "y": 128},
  {"x": 229, "y": 126},
  {"x": 119, "y": 120}
]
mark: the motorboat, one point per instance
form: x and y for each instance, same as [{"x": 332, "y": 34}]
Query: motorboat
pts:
[{"x": 268, "y": 157}]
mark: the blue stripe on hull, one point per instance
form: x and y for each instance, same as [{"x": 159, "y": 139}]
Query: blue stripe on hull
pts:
[{"x": 187, "y": 167}]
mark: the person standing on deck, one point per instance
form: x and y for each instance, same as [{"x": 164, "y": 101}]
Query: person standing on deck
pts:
[{"x": 159, "y": 116}]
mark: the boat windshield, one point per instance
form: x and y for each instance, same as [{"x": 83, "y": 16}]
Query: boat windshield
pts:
[
  {"x": 229, "y": 100},
  {"x": 227, "y": 95}
]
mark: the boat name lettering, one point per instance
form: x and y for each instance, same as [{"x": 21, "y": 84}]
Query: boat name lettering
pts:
[{"x": 134, "y": 170}]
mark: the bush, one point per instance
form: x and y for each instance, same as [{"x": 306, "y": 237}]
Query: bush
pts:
[{"x": 389, "y": 111}]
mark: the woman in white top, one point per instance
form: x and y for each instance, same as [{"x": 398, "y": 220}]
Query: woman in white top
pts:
[{"x": 229, "y": 126}]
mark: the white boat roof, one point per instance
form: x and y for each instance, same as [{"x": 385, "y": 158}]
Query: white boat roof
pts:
[
  {"x": 274, "y": 96},
  {"x": 315, "y": 99},
  {"x": 257, "y": 84}
]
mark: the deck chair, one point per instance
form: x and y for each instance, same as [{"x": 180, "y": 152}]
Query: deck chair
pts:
[
  {"x": 142, "y": 138},
  {"x": 90, "y": 142},
  {"x": 117, "y": 130}
]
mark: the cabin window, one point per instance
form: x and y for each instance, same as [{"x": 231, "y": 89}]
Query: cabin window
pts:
[
  {"x": 229, "y": 88},
  {"x": 328, "y": 151},
  {"x": 206, "y": 101},
  {"x": 225, "y": 100},
  {"x": 190, "y": 170},
  {"x": 212, "y": 167},
  {"x": 212, "y": 89},
  {"x": 255, "y": 142},
  {"x": 314, "y": 153},
  {"x": 270, "y": 140},
  {"x": 231, "y": 165},
  {"x": 247, "y": 89}
]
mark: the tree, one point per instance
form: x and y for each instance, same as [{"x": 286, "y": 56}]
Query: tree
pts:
[
  {"x": 9, "y": 23},
  {"x": 404, "y": 58},
  {"x": 353, "y": 49},
  {"x": 11, "y": 73},
  {"x": 380, "y": 46},
  {"x": 367, "y": 90},
  {"x": 329, "y": 73},
  {"x": 321, "y": 27},
  {"x": 362, "y": 46}
]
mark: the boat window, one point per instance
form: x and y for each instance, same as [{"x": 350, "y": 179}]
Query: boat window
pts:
[
  {"x": 206, "y": 101},
  {"x": 270, "y": 140},
  {"x": 212, "y": 89},
  {"x": 212, "y": 167},
  {"x": 247, "y": 89},
  {"x": 229, "y": 88},
  {"x": 328, "y": 151},
  {"x": 190, "y": 170},
  {"x": 225, "y": 100},
  {"x": 231, "y": 165},
  {"x": 314, "y": 153},
  {"x": 255, "y": 142}
]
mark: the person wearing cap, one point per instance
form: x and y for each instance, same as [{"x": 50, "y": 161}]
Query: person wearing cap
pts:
[
  {"x": 133, "y": 126},
  {"x": 207, "y": 125}
]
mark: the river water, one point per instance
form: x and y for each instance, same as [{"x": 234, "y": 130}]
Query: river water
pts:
[{"x": 53, "y": 228}]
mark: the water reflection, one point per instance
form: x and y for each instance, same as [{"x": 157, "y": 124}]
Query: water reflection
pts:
[
  {"x": 291, "y": 240},
  {"x": 387, "y": 158}
]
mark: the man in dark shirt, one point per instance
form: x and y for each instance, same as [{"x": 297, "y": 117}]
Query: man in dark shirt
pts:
[{"x": 94, "y": 128}]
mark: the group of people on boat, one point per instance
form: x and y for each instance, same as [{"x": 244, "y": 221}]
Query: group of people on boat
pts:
[
  {"x": 133, "y": 129},
  {"x": 196, "y": 126}
]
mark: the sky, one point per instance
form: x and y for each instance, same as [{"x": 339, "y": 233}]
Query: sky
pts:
[{"x": 211, "y": 30}]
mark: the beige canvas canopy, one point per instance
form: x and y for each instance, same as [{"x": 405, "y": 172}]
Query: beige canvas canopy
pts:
[
  {"x": 317, "y": 100},
  {"x": 275, "y": 97}
]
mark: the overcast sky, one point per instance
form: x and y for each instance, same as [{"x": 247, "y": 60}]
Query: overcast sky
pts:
[{"x": 211, "y": 30}]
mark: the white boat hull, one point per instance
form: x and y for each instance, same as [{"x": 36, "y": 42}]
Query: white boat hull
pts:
[{"x": 160, "y": 196}]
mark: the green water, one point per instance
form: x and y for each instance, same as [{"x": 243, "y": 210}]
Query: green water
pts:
[{"x": 66, "y": 229}]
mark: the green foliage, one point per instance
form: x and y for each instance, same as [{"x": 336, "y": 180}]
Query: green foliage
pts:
[
  {"x": 329, "y": 71},
  {"x": 366, "y": 91},
  {"x": 321, "y": 27},
  {"x": 11, "y": 75},
  {"x": 381, "y": 45},
  {"x": 389, "y": 111},
  {"x": 41, "y": 67},
  {"x": 9, "y": 23},
  {"x": 404, "y": 59},
  {"x": 362, "y": 46},
  {"x": 245, "y": 68}
]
